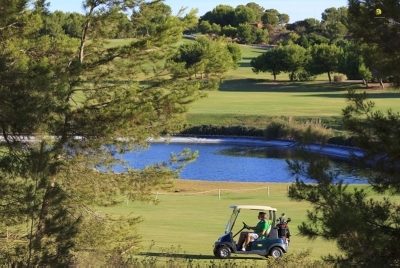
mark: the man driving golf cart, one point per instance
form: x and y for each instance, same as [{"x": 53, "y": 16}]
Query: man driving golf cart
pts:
[
  {"x": 273, "y": 243},
  {"x": 260, "y": 232}
]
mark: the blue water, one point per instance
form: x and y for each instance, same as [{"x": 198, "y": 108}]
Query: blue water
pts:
[{"x": 218, "y": 162}]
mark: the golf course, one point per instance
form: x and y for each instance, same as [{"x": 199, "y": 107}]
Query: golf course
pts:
[
  {"x": 139, "y": 134},
  {"x": 192, "y": 215},
  {"x": 249, "y": 98}
]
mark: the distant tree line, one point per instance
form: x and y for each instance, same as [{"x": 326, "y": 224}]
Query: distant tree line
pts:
[
  {"x": 352, "y": 41},
  {"x": 304, "y": 63},
  {"x": 148, "y": 16}
]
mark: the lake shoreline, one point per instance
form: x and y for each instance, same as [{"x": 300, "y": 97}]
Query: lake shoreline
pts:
[{"x": 328, "y": 150}]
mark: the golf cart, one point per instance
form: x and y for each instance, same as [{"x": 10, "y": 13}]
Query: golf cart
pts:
[{"x": 274, "y": 244}]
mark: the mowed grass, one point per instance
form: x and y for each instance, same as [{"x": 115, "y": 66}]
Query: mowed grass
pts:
[
  {"x": 188, "y": 222},
  {"x": 192, "y": 216},
  {"x": 245, "y": 94}
]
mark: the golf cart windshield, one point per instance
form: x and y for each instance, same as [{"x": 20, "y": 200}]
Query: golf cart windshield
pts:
[
  {"x": 231, "y": 222},
  {"x": 236, "y": 210}
]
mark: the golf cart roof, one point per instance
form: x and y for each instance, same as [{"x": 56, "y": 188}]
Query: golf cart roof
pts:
[{"x": 253, "y": 207}]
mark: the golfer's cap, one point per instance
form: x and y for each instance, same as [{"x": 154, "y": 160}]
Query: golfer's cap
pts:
[{"x": 261, "y": 213}]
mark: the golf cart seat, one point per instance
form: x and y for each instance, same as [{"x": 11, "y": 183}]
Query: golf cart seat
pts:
[
  {"x": 266, "y": 234},
  {"x": 268, "y": 231}
]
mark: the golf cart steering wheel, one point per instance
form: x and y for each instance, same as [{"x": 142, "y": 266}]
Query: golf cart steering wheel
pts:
[{"x": 246, "y": 226}]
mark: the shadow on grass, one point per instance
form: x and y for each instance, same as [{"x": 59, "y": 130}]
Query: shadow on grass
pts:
[
  {"x": 196, "y": 257},
  {"x": 259, "y": 51},
  {"x": 389, "y": 95},
  {"x": 244, "y": 64},
  {"x": 267, "y": 85}
]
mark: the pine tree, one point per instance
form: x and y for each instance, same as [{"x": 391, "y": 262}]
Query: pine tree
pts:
[
  {"x": 377, "y": 24},
  {"x": 68, "y": 107},
  {"x": 365, "y": 230}
]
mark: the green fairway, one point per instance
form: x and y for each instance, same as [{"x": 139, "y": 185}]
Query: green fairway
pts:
[
  {"x": 245, "y": 94},
  {"x": 192, "y": 216},
  {"x": 188, "y": 223},
  {"x": 238, "y": 97}
]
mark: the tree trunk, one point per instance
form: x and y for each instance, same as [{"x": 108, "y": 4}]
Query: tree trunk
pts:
[
  {"x": 44, "y": 212},
  {"x": 274, "y": 76},
  {"x": 329, "y": 76},
  {"x": 381, "y": 83},
  {"x": 365, "y": 82},
  {"x": 291, "y": 76}
]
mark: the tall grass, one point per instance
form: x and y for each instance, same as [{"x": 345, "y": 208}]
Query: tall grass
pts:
[{"x": 291, "y": 129}]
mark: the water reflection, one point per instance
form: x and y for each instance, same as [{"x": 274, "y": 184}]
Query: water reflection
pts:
[
  {"x": 348, "y": 169},
  {"x": 218, "y": 162}
]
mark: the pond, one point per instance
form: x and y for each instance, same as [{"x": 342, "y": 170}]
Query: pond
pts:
[{"x": 234, "y": 162}]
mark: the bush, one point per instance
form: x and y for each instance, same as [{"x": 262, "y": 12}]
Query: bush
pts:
[
  {"x": 339, "y": 78},
  {"x": 303, "y": 76},
  {"x": 277, "y": 129},
  {"x": 310, "y": 131}
]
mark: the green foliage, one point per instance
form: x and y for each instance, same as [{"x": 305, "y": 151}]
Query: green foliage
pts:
[
  {"x": 258, "y": 10},
  {"x": 270, "y": 17},
  {"x": 294, "y": 59},
  {"x": 244, "y": 14},
  {"x": 365, "y": 73},
  {"x": 205, "y": 27},
  {"x": 223, "y": 131},
  {"x": 290, "y": 58},
  {"x": 229, "y": 31},
  {"x": 283, "y": 18},
  {"x": 222, "y": 15},
  {"x": 236, "y": 53},
  {"x": 215, "y": 29},
  {"x": 290, "y": 39},
  {"x": 351, "y": 59},
  {"x": 378, "y": 134},
  {"x": 212, "y": 58},
  {"x": 334, "y": 23},
  {"x": 270, "y": 61},
  {"x": 324, "y": 59},
  {"x": 303, "y": 75},
  {"x": 296, "y": 130},
  {"x": 381, "y": 34},
  {"x": 305, "y": 26},
  {"x": 365, "y": 230},
  {"x": 83, "y": 102},
  {"x": 261, "y": 35},
  {"x": 245, "y": 33}
]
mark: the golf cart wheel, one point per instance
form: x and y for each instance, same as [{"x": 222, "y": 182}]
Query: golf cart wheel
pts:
[
  {"x": 276, "y": 252},
  {"x": 223, "y": 252}
]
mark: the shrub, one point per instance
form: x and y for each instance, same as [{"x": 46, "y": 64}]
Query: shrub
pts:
[
  {"x": 303, "y": 76},
  {"x": 310, "y": 131},
  {"x": 339, "y": 77}
]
